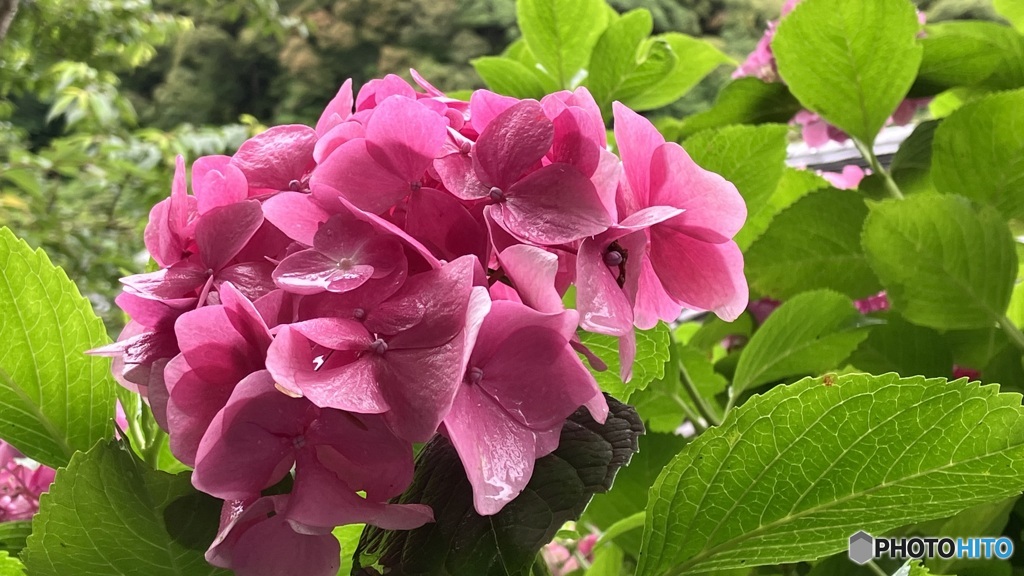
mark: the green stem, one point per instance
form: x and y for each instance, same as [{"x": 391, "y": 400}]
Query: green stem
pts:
[
  {"x": 698, "y": 421},
  {"x": 1012, "y": 331},
  {"x": 875, "y": 568},
  {"x": 876, "y": 167},
  {"x": 152, "y": 452},
  {"x": 702, "y": 404}
]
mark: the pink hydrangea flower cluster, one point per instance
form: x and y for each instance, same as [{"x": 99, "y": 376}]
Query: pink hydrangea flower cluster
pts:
[
  {"x": 22, "y": 482},
  {"x": 330, "y": 295},
  {"x": 815, "y": 131}
]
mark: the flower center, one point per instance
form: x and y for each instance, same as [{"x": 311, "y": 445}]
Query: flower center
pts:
[
  {"x": 379, "y": 346},
  {"x": 345, "y": 264},
  {"x": 474, "y": 376},
  {"x": 613, "y": 257},
  {"x": 294, "y": 185},
  {"x": 359, "y": 314},
  {"x": 299, "y": 442},
  {"x": 497, "y": 194},
  {"x": 466, "y": 147},
  {"x": 415, "y": 186}
]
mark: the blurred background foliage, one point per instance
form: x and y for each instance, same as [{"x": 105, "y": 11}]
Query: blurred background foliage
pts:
[{"x": 98, "y": 96}]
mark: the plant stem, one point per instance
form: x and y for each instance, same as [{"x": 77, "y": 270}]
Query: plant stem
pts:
[
  {"x": 1012, "y": 331},
  {"x": 152, "y": 452},
  {"x": 698, "y": 421},
  {"x": 875, "y": 568},
  {"x": 702, "y": 404},
  {"x": 876, "y": 167}
]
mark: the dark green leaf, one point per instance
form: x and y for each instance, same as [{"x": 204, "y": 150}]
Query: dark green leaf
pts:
[
  {"x": 461, "y": 542},
  {"x": 107, "y": 513},
  {"x": 54, "y": 399},
  {"x": 815, "y": 243},
  {"x": 745, "y": 101},
  {"x": 808, "y": 334},
  {"x": 905, "y": 348},
  {"x": 830, "y": 53},
  {"x": 793, "y": 185},
  {"x": 912, "y": 166},
  {"x": 13, "y": 535},
  {"x": 979, "y": 153},
  {"x": 792, "y": 473},
  {"x": 944, "y": 264}
]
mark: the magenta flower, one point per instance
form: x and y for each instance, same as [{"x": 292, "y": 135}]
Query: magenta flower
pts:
[
  {"x": 403, "y": 358},
  {"x": 848, "y": 179},
  {"x": 220, "y": 346},
  {"x": 255, "y": 539},
  {"x": 22, "y": 482},
  {"x": 507, "y": 170},
  {"x": 171, "y": 228},
  {"x": 402, "y": 139},
  {"x": 261, "y": 433},
  {"x": 507, "y": 413},
  {"x": 279, "y": 159}
]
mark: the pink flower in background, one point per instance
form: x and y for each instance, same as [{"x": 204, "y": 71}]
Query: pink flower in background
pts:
[
  {"x": 22, "y": 482},
  {"x": 848, "y": 179},
  {"x": 877, "y": 303}
]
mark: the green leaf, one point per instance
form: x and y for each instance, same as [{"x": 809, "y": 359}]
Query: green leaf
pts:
[
  {"x": 1013, "y": 11},
  {"x": 905, "y": 348},
  {"x": 54, "y": 399},
  {"x": 987, "y": 519},
  {"x": 912, "y": 165},
  {"x": 851, "y": 62},
  {"x": 979, "y": 153},
  {"x": 608, "y": 561},
  {"x": 107, "y": 513},
  {"x": 348, "y": 538},
  {"x": 461, "y": 542},
  {"x": 651, "y": 354},
  {"x": 13, "y": 535},
  {"x": 692, "y": 60},
  {"x": 751, "y": 157},
  {"x": 10, "y": 565},
  {"x": 745, "y": 101},
  {"x": 509, "y": 77},
  {"x": 616, "y": 55},
  {"x": 561, "y": 34},
  {"x": 793, "y": 185},
  {"x": 943, "y": 263},
  {"x": 815, "y": 243},
  {"x": 808, "y": 334},
  {"x": 959, "y": 54},
  {"x": 794, "y": 472},
  {"x": 629, "y": 493}
]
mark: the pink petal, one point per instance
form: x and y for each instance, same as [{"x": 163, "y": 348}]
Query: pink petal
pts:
[
  {"x": 459, "y": 177},
  {"x": 637, "y": 140},
  {"x": 273, "y": 159},
  {"x": 338, "y": 109},
  {"x": 485, "y": 106},
  {"x": 605, "y": 306},
  {"x": 216, "y": 182},
  {"x": 377, "y": 90},
  {"x": 714, "y": 211},
  {"x": 310, "y": 272},
  {"x": 224, "y": 231},
  {"x": 405, "y": 137},
  {"x": 497, "y": 453},
  {"x": 445, "y": 226},
  {"x": 554, "y": 189},
  {"x": 512, "y": 143},
  {"x": 700, "y": 275},
  {"x": 652, "y": 302},
  {"x": 353, "y": 173},
  {"x": 533, "y": 271},
  {"x": 334, "y": 138},
  {"x": 296, "y": 215}
]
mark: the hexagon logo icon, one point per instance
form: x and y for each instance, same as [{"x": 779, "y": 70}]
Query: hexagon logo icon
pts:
[{"x": 861, "y": 547}]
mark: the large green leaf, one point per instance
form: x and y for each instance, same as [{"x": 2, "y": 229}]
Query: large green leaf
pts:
[
  {"x": 905, "y": 348},
  {"x": 793, "y": 185},
  {"x": 959, "y": 54},
  {"x": 652, "y": 351},
  {"x": 815, "y": 243},
  {"x": 461, "y": 542},
  {"x": 561, "y": 34},
  {"x": 944, "y": 264},
  {"x": 751, "y": 157},
  {"x": 107, "y": 513},
  {"x": 692, "y": 60},
  {"x": 617, "y": 60},
  {"x": 794, "y": 472},
  {"x": 851, "y": 62},
  {"x": 911, "y": 167},
  {"x": 1013, "y": 11},
  {"x": 509, "y": 77},
  {"x": 987, "y": 519},
  {"x": 54, "y": 399},
  {"x": 808, "y": 334},
  {"x": 745, "y": 101},
  {"x": 10, "y": 565},
  {"x": 979, "y": 153}
]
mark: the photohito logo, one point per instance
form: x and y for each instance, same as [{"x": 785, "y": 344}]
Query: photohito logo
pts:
[{"x": 864, "y": 548}]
